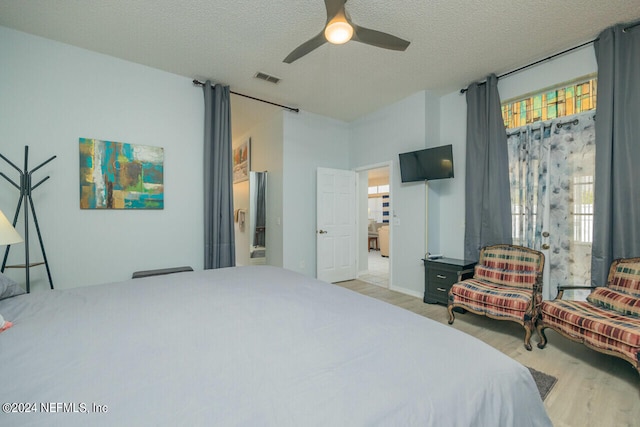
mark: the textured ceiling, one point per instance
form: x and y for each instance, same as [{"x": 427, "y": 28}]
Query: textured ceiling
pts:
[{"x": 453, "y": 43}]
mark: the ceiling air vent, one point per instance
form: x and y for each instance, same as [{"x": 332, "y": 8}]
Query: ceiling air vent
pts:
[{"x": 266, "y": 77}]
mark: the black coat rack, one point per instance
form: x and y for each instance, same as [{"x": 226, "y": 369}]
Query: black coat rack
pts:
[{"x": 26, "y": 188}]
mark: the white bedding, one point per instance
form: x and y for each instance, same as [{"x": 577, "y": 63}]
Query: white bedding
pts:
[{"x": 251, "y": 346}]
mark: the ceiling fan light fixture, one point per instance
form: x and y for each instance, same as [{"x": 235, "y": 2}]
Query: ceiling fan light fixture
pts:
[{"x": 338, "y": 31}]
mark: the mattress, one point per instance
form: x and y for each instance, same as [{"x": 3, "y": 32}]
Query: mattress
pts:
[{"x": 255, "y": 345}]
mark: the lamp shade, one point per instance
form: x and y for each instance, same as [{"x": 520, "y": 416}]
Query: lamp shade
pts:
[
  {"x": 8, "y": 234},
  {"x": 338, "y": 30}
]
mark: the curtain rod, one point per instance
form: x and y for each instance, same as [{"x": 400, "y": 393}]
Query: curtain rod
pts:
[
  {"x": 295, "y": 110},
  {"x": 553, "y": 56},
  {"x": 537, "y": 62}
]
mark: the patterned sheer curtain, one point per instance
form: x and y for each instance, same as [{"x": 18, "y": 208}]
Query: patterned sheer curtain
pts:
[
  {"x": 551, "y": 171},
  {"x": 527, "y": 178}
]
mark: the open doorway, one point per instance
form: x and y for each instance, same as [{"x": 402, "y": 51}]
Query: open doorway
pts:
[{"x": 374, "y": 223}]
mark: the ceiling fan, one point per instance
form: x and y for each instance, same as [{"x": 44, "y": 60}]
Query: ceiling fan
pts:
[{"x": 340, "y": 29}]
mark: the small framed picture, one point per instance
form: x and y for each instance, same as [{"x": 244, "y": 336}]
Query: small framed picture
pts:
[{"x": 242, "y": 161}]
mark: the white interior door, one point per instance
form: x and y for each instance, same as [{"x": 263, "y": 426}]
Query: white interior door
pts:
[{"x": 336, "y": 225}]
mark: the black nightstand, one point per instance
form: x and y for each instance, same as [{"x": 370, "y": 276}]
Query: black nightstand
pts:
[{"x": 440, "y": 274}]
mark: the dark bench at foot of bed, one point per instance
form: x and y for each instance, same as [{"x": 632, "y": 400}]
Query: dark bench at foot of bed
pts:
[{"x": 159, "y": 272}]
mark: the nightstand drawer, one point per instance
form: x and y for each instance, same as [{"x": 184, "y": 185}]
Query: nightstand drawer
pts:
[
  {"x": 442, "y": 277},
  {"x": 438, "y": 284},
  {"x": 441, "y": 274}
]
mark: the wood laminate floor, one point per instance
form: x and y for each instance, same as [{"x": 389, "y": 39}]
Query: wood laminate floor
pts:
[{"x": 593, "y": 389}]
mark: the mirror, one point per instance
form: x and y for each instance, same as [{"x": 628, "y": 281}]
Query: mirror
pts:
[{"x": 258, "y": 217}]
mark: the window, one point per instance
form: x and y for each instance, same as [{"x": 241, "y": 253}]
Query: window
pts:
[
  {"x": 551, "y": 171},
  {"x": 379, "y": 203},
  {"x": 551, "y": 104},
  {"x": 523, "y": 214},
  {"x": 375, "y": 209},
  {"x": 379, "y": 189},
  {"x": 582, "y": 214}
]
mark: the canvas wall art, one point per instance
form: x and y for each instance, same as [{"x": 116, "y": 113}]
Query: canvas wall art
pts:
[
  {"x": 117, "y": 175},
  {"x": 242, "y": 161}
]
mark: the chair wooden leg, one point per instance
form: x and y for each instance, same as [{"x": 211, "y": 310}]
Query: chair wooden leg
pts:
[
  {"x": 527, "y": 337},
  {"x": 451, "y": 316},
  {"x": 542, "y": 342}
]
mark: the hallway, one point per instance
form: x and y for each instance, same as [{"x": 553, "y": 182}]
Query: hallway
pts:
[{"x": 378, "y": 273}]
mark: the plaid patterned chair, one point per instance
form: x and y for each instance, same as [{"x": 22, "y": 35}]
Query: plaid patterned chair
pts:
[
  {"x": 506, "y": 285},
  {"x": 608, "y": 321}
]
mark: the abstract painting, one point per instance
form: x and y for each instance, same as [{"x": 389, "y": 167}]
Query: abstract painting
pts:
[
  {"x": 242, "y": 161},
  {"x": 116, "y": 175}
]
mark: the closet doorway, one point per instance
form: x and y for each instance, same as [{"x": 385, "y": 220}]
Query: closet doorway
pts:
[{"x": 374, "y": 225}]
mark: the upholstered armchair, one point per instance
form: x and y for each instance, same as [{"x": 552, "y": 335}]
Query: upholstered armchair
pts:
[
  {"x": 608, "y": 321},
  {"x": 506, "y": 285},
  {"x": 383, "y": 239}
]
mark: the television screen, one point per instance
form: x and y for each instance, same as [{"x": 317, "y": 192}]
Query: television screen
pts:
[{"x": 427, "y": 164}]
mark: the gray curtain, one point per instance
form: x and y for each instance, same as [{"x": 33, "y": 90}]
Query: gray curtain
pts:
[
  {"x": 219, "y": 239},
  {"x": 487, "y": 194},
  {"x": 616, "y": 227}
]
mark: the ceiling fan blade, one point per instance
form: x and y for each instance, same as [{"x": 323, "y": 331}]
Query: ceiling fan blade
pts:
[
  {"x": 378, "y": 38},
  {"x": 306, "y": 47},
  {"x": 333, "y": 7}
]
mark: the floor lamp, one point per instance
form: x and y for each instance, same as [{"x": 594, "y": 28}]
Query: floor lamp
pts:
[{"x": 8, "y": 234}]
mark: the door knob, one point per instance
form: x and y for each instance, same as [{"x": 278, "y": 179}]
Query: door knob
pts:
[
  {"x": 322, "y": 232},
  {"x": 545, "y": 234},
  {"x": 545, "y": 246}
]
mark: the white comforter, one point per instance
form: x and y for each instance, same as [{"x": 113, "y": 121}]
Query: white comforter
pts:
[{"x": 250, "y": 346}]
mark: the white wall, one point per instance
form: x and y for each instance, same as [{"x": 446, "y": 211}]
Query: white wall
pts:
[
  {"x": 450, "y": 225},
  {"x": 438, "y": 188},
  {"x": 51, "y": 94},
  {"x": 453, "y": 120},
  {"x": 310, "y": 141},
  {"x": 380, "y": 137},
  {"x": 578, "y": 63}
]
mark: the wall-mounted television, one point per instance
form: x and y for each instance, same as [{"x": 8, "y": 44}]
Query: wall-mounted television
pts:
[{"x": 427, "y": 165}]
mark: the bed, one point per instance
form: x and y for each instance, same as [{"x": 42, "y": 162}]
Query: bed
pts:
[{"x": 250, "y": 346}]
